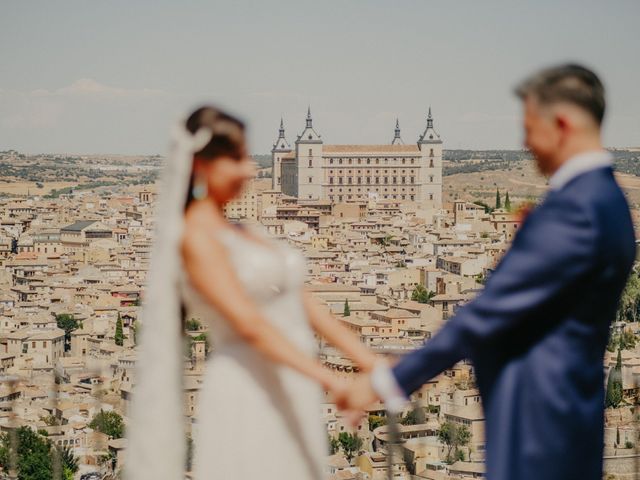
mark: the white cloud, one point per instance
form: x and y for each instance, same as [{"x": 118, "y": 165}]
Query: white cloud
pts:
[{"x": 88, "y": 87}]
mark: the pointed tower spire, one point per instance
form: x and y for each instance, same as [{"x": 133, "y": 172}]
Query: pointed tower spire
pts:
[
  {"x": 281, "y": 143},
  {"x": 309, "y": 119},
  {"x": 396, "y": 138},
  {"x": 429, "y": 135}
]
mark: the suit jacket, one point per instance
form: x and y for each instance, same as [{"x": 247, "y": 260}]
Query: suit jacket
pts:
[{"x": 537, "y": 334}]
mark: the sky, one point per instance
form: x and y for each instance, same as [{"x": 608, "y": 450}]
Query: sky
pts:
[{"x": 91, "y": 76}]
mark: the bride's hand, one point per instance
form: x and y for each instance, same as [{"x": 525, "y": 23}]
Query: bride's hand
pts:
[{"x": 338, "y": 388}]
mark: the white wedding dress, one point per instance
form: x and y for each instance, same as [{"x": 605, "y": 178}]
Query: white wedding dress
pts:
[{"x": 256, "y": 419}]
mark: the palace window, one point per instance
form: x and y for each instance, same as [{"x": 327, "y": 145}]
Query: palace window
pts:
[
  {"x": 395, "y": 179},
  {"x": 310, "y": 179},
  {"x": 340, "y": 161},
  {"x": 349, "y": 180},
  {"x": 413, "y": 179},
  {"x": 377, "y": 180},
  {"x": 368, "y": 161},
  {"x": 310, "y": 162},
  {"x": 386, "y": 179},
  {"x": 331, "y": 180},
  {"x": 340, "y": 180},
  {"x": 368, "y": 179},
  {"x": 404, "y": 179},
  {"x": 431, "y": 178},
  {"x": 431, "y": 163},
  {"x": 359, "y": 180}
]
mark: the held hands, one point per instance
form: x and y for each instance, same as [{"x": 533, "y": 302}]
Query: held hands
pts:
[{"x": 353, "y": 397}]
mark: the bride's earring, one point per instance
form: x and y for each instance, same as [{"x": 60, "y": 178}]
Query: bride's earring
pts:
[{"x": 199, "y": 190}]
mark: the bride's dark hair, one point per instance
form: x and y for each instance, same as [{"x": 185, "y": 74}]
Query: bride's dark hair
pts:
[{"x": 227, "y": 139}]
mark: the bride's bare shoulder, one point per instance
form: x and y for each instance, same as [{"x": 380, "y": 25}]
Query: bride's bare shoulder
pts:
[{"x": 200, "y": 220}]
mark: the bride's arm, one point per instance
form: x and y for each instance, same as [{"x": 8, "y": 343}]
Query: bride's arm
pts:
[
  {"x": 328, "y": 326},
  {"x": 211, "y": 273}
]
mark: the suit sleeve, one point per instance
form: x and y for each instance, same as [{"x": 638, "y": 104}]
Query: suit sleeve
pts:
[{"x": 551, "y": 254}]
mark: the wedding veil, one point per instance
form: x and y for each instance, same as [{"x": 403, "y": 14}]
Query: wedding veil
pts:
[{"x": 156, "y": 433}]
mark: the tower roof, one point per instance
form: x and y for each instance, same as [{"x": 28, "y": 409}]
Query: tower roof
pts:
[
  {"x": 396, "y": 138},
  {"x": 430, "y": 135},
  {"x": 309, "y": 135},
  {"x": 281, "y": 143}
]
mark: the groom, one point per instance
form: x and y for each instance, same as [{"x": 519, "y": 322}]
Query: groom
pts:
[{"x": 537, "y": 332}]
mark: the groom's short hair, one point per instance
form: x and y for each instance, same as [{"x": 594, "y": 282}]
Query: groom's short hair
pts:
[{"x": 568, "y": 83}]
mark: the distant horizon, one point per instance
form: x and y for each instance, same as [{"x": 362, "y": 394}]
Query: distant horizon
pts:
[{"x": 253, "y": 154}]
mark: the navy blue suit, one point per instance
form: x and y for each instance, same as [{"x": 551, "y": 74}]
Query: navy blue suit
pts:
[{"x": 537, "y": 334}]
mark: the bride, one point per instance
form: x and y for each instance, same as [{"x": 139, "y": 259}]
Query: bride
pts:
[{"x": 260, "y": 401}]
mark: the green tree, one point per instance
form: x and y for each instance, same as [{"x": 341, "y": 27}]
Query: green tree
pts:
[
  {"x": 376, "y": 421},
  {"x": 119, "y": 336},
  {"x": 614, "y": 384},
  {"x": 109, "y": 423},
  {"x": 421, "y": 295},
  {"x": 629, "y": 305},
  {"x": 35, "y": 456},
  {"x": 453, "y": 436},
  {"x": 350, "y": 443},
  {"x": 193, "y": 325},
  {"x": 507, "y": 202},
  {"x": 347, "y": 310},
  {"x": 68, "y": 323},
  {"x": 334, "y": 445},
  {"x": 413, "y": 417},
  {"x": 498, "y": 202}
]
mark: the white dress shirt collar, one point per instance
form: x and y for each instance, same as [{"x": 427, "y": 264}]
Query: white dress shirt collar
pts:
[{"x": 578, "y": 164}]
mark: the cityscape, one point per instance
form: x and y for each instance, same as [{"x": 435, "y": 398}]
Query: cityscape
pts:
[{"x": 396, "y": 236}]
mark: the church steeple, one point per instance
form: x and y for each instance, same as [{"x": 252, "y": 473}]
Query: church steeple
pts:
[
  {"x": 429, "y": 135},
  {"x": 281, "y": 143},
  {"x": 396, "y": 138}
]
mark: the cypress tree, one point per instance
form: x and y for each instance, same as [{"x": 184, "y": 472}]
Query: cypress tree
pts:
[
  {"x": 498, "y": 202},
  {"x": 347, "y": 310},
  {"x": 119, "y": 336},
  {"x": 614, "y": 384}
]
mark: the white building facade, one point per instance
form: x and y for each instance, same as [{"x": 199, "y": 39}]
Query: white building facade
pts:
[{"x": 313, "y": 170}]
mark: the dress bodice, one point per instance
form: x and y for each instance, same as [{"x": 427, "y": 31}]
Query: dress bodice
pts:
[{"x": 272, "y": 273}]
